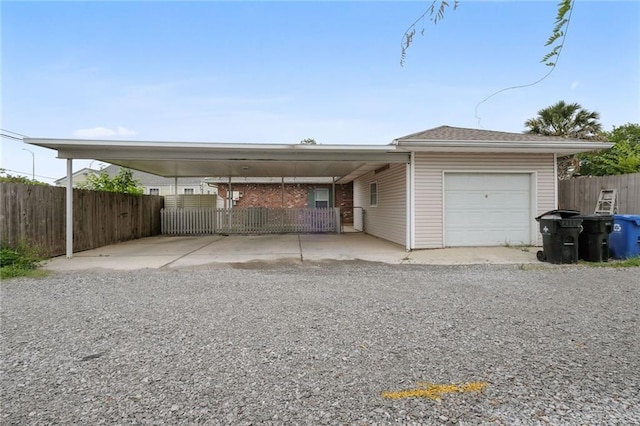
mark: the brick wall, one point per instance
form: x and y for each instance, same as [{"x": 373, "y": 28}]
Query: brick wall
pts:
[{"x": 295, "y": 196}]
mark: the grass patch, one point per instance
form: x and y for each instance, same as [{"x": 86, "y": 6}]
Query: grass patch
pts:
[
  {"x": 20, "y": 261},
  {"x": 632, "y": 262}
]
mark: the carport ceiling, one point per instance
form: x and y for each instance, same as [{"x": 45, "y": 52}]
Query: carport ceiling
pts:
[{"x": 188, "y": 159}]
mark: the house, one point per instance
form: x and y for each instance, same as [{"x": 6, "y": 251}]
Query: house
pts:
[
  {"x": 269, "y": 192},
  {"x": 285, "y": 192},
  {"x": 464, "y": 187},
  {"x": 78, "y": 178},
  {"x": 152, "y": 184},
  {"x": 442, "y": 187}
]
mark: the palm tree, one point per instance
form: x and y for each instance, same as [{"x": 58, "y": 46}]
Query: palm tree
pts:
[{"x": 567, "y": 120}]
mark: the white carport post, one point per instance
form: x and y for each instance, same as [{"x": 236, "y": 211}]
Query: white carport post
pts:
[
  {"x": 409, "y": 221},
  {"x": 69, "y": 208}
]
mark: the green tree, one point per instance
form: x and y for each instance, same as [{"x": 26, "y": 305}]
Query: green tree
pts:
[
  {"x": 566, "y": 120},
  {"x": 308, "y": 141},
  {"x": 569, "y": 121},
  {"x": 5, "y": 177},
  {"x": 122, "y": 182},
  {"x": 622, "y": 158}
]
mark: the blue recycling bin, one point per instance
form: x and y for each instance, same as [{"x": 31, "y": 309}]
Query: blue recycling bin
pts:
[{"x": 624, "y": 240}]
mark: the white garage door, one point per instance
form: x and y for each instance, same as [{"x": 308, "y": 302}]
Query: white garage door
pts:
[{"x": 487, "y": 209}]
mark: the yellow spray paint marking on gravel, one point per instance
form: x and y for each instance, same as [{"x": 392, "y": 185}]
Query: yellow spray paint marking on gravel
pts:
[{"x": 435, "y": 391}]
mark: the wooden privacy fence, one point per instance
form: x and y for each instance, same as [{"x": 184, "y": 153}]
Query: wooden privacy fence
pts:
[
  {"x": 249, "y": 220},
  {"x": 581, "y": 193},
  {"x": 36, "y": 215}
]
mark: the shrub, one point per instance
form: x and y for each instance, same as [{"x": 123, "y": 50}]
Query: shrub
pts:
[{"x": 18, "y": 261}]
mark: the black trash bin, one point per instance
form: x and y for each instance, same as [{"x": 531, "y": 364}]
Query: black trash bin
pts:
[
  {"x": 594, "y": 238},
  {"x": 560, "y": 231}
]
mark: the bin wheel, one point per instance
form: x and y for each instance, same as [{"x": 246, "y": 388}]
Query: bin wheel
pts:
[{"x": 540, "y": 255}]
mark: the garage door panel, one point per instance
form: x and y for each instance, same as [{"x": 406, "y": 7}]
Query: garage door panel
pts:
[
  {"x": 470, "y": 219},
  {"x": 462, "y": 199},
  {"x": 487, "y": 209},
  {"x": 474, "y": 237}
]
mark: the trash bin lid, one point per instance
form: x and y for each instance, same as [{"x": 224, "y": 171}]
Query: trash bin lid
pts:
[
  {"x": 550, "y": 216},
  {"x": 594, "y": 217},
  {"x": 628, "y": 217},
  {"x": 559, "y": 214}
]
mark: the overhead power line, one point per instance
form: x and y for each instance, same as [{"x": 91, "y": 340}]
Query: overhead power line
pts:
[
  {"x": 28, "y": 174},
  {"x": 10, "y": 137},
  {"x": 14, "y": 133}
]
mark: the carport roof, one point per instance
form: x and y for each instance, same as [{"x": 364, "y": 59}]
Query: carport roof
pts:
[
  {"x": 195, "y": 159},
  {"x": 342, "y": 162}
]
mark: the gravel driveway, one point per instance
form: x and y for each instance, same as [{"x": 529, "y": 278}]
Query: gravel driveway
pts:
[{"x": 319, "y": 343}]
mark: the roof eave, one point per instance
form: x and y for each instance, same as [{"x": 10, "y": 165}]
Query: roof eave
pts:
[{"x": 551, "y": 147}]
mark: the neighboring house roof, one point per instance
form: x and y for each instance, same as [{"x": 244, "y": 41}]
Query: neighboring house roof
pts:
[
  {"x": 82, "y": 172},
  {"x": 148, "y": 179},
  {"x": 448, "y": 133}
]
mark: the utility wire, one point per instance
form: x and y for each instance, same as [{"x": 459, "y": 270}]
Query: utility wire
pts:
[
  {"x": 15, "y": 133},
  {"x": 10, "y": 137},
  {"x": 29, "y": 174},
  {"x": 553, "y": 67}
]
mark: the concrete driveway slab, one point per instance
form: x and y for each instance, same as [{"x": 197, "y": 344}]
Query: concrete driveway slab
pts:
[
  {"x": 244, "y": 248},
  {"x": 350, "y": 247},
  {"x": 474, "y": 256},
  {"x": 116, "y": 263},
  {"x": 153, "y": 246},
  {"x": 185, "y": 251}
]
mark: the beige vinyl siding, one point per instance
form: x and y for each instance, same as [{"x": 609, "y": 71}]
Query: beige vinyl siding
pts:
[
  {"x": 429, "y": 168},
  {"x": 386, "y": 220}
]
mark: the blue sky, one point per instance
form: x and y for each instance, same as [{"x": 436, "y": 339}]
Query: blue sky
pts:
[{"x": 279, "y": 72}]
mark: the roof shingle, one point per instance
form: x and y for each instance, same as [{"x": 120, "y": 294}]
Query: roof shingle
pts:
[{"x": 448, "y": 133}]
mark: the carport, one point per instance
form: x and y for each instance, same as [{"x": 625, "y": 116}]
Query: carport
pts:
[{"x": 342, "y": 163}]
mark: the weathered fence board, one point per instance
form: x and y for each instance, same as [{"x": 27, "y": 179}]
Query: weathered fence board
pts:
[
  {"x": 205, "y": 220},
  {"x": 582, "y": 193},
  {"x": 37, "y": 215}
]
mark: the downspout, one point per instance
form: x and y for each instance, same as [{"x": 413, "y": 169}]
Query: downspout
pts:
[
  {"x": 230, "y": 200},
  {"x": 175, "y": 190},
  {"x": 282, "y": 202},
  {"x": 555, "y": 181},
  {"x": 336, "y": 211},
  {"x": 333, "y": 189},
  {"x": 408, "y": 206},
  {"x": 69, "y": 224},
  {"x": 412, "y": 200}
]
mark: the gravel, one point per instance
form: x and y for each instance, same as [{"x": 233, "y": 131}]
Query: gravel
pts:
[{"x": 318, "y": 343}]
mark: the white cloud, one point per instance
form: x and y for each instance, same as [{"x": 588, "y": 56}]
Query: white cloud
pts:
[
  {"x": 123, "y": 131},
  {"x": 574, "y": 85},
  {"x": 102, "y": 132}
]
